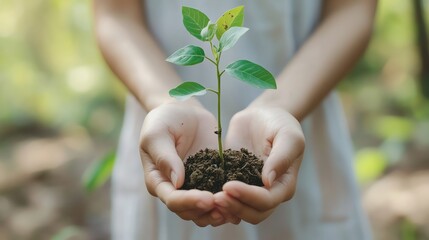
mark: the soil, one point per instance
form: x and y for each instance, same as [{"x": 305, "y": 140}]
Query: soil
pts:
[{"x": 203, "y": 170}]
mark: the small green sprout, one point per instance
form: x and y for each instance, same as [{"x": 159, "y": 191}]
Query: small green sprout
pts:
[{"x": 228, "y": 29}]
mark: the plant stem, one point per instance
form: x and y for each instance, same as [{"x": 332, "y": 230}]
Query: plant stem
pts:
[
  {"x": 222, "y": 73},
  {"x": 211, "y": 60},
  {"x": 219, "y": 122},
  {"x": 213, "y": 91}
]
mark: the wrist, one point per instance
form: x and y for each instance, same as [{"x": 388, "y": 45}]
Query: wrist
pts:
[
  {"x": 156, "y": 101},
  {"x": 189, "y": 104},
  {"x": 273, "y": 101}
]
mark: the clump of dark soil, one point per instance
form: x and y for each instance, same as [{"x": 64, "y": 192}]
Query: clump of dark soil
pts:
[{"x": 203, "y": 170}]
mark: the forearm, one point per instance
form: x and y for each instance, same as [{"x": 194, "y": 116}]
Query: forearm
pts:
[
  {"x": 331, "y": 51},
  {"x": 132, "y": 53}
]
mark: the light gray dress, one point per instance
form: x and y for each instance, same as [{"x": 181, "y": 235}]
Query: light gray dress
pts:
[{"x": 326, "y": 204}]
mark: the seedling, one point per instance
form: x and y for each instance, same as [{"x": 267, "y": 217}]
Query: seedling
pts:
[{"x": 227, "y": 29}]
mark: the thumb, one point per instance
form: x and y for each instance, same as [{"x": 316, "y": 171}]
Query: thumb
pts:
[
  {"x": 161, "y": 149},
  {"x": 287, "y": 147}
]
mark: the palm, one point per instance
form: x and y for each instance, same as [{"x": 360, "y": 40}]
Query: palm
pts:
[
  {"x": 196, "y": 134},
  {"x": 248, "y": 130}
]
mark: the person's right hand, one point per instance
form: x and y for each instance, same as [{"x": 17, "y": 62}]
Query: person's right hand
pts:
[{"x": 169, "y": 134}]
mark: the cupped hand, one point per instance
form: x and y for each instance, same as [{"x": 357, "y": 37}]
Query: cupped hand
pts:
[
  {"x": 170, "y": 133},
  {"x": 276, "y": 136}
]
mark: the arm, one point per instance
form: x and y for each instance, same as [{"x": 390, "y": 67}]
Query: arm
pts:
[
  {"x": 326, "y": 57},
  {"x": 132, "y": 53},
  {"x": 328, "y": 54}
]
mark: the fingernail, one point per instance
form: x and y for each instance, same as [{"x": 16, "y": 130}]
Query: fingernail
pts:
[
  {"x": 173, "y": 178},
  {"x": 271, "y": 177}
]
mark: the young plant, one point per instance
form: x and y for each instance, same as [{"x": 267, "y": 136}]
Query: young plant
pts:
[{"x": 227, "y": 29}]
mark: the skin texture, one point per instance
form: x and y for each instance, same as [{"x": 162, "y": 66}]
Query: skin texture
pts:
[{"x": 131, "y": 52}]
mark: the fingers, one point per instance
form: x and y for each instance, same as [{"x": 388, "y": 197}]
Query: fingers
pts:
[
  {"x": 241, "y": 210},
  {"x": 159, "y": 145},
  {"x": 254, "y": 204},
  {"x": 254, "y": 196},
  {"x": 287, "y": 148},
  {"x": 194, "y": 205},
  {"x": 229, "y": 217},
  {"x": 182, "y": 200},
  {"x": 210, "y": 219},
  {"x": 152, "y": 176}
]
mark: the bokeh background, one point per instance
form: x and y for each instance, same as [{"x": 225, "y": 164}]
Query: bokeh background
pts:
[{"x": 61, "y": 112}]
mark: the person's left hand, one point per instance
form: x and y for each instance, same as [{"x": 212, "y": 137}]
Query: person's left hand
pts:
[{"x": 276, "y": 136}]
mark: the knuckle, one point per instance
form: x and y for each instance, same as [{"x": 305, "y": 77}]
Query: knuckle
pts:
[
  {"x": 236, "y": 221},
  {"x": 295, "y": 134},
  {"x": 217, "y": 223},
  {"x": 185, "y": 216},
  {"x": 300, "y": 142},
  {"x": 269, "y": 205},
  {"x": 238, "y": 211},
  {"x": 151, "y": 192},
  {"x": 150, "y": 189},
  {"x": 145, "y": 160},
  {"x": 200, "y": 223},
  {"x": 143, "y": 154},
  {"x": 258, "y": 218},
  {"x": 147, "y": 138},
  {"x": 170, "y": 205},
  {"x": 162, "y": 164},
  {"x": 290, "y": 193},
  {"x": 159, "y": 160},
  {"x": 254, "y": 221},
  {"x": 284, "y": 164},
  {"x": 299, "y": 139},
  {"x": 290, "y": 189},
  {"x": 150, "y": 186}
]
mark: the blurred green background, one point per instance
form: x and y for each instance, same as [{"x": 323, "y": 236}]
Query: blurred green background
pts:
[{"x": 61, "y": 109}]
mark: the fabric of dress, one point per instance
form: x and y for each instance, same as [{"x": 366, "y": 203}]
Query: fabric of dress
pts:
[{"x": 326, "y": 204}]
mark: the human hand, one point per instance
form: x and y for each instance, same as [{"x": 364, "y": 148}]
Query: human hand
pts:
[
  {"x": 277, "y": 137},
  {"x": 170, "y": 133}
]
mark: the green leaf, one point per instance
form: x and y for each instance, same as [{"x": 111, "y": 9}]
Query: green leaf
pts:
[
  {"x": 370, "y": 163},
  {"x": 189, "y": 55},
  {"x": 187, "y": 90},
  {"x": 231, "y": 18},
  {"x": 98, "y": 173},
  {"x": 194, "y": 21},
  {"x": 209, "y": 31},
  {"x": 230, "y": 38},
  {"x": 252, "y": 74}
]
